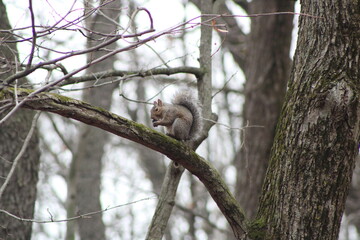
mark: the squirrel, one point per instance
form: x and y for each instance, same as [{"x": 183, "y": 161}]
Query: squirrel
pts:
[{"x": 181, "y": 118}]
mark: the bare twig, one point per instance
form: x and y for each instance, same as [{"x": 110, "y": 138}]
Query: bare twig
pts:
[
  {"x": 24, "y": 73},
  {"x": 73, "y": 22},
  {"x": 46, "y": 67},
  {"x": 206, "y": 219},
  {"x": 34, "y": 35},
  {"x": 51, "y": 29},
  {"x": 224, "y": 86},
  {"x": 233, "y": 128},
  {"x": 47, "y": 86},
  {"x": 86, "y": 215},
  {"x": 60, "y": 134},
  {"x": 177, "y": 28}
]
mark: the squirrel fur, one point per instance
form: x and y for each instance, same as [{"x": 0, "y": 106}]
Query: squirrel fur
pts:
[{"x": 181, "y": 119}]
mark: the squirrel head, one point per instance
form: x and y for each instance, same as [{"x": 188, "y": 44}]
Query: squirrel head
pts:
[{"x": 156, "y": 110}]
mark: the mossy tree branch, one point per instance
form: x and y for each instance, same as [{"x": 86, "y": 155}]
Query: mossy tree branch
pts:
[{"x": 173, "y": 149}]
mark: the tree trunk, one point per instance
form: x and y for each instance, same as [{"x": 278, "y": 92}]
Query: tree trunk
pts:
[
  {"x": 317, "y": 137},
  {"x": 20, "y": 193},
  {"x": 90, "y": 151},
  {"x": 267, "y": 72}
]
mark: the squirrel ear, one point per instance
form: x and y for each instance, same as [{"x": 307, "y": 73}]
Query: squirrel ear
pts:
[{"x": 160, "y": 103}]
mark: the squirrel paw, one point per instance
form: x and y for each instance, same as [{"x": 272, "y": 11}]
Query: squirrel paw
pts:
[{"x": 155, "y": 123}]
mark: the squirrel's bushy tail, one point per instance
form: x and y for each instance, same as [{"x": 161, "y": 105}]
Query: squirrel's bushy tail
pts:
[{"x": 188, "y": 99}]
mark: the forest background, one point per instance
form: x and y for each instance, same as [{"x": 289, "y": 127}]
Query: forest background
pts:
[{"x": 247, "y": 62}]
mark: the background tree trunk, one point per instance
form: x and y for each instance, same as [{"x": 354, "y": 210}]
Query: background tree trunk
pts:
[
  {"x": 88, "y": 164},
  {"x": 318, "y": 134},
  {"x": 20, "y": 194},
  {"x": 267, "y": 72}
]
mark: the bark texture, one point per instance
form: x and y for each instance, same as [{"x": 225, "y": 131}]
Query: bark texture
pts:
[
  {"x": 20, "y": 194},
  {"x": 318, "y": 134},
  {"x": 267, "y": 70}
]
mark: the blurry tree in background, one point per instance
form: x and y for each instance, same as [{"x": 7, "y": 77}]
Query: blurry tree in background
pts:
[
  {"x": 19, "y": 152},
  {"x": 139, "y": 53},
  {"x": 87, "y": 161},
  {"x": 267, "y": 70}
]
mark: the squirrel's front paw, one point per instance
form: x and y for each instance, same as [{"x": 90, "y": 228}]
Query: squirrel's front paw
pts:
[{"x": 155, "y": 123}]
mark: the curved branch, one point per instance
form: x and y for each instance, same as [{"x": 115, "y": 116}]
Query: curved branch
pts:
[{"x": 173, "y": 149}]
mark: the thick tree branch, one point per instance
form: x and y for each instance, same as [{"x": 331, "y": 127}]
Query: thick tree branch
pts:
[{"x": 173, "y": 149}]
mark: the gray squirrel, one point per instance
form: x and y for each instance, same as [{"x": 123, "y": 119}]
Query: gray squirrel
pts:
[{"x": 182, "y": 118}]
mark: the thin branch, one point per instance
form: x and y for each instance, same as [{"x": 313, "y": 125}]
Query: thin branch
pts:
[
  {"x": 20, "y": 154},
  {"x": 73, "y": 22},
  {"x": 86, "y": 215},
  {"x": 26, "y": 72},
  {"x": 224, "y": 86},
  {"x": 51, "y": 29},
  {"x": 171, "y": 30},
  {"x": 117, "y": 73},
  {"x": 48, "y": 29},
  {"x": 62, "y": 167},
  {"x": 47, "y": 86},
  {"x": 233, "y": 128},
  {"x": 46, "y": 67},
  {"x": 206, "y": 219},
  {"x": 60, "y": 134},
  {"x": 33, "y": 44},
  {"x": 262, "y": 15}
]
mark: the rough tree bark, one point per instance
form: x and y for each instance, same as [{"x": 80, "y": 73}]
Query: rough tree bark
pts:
[
  {"x": 317, "y": 137},
  {"x": 20, "y": 194},
  {"x": 267, "y": 70},
  {"x": 88, "y": 164}
]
